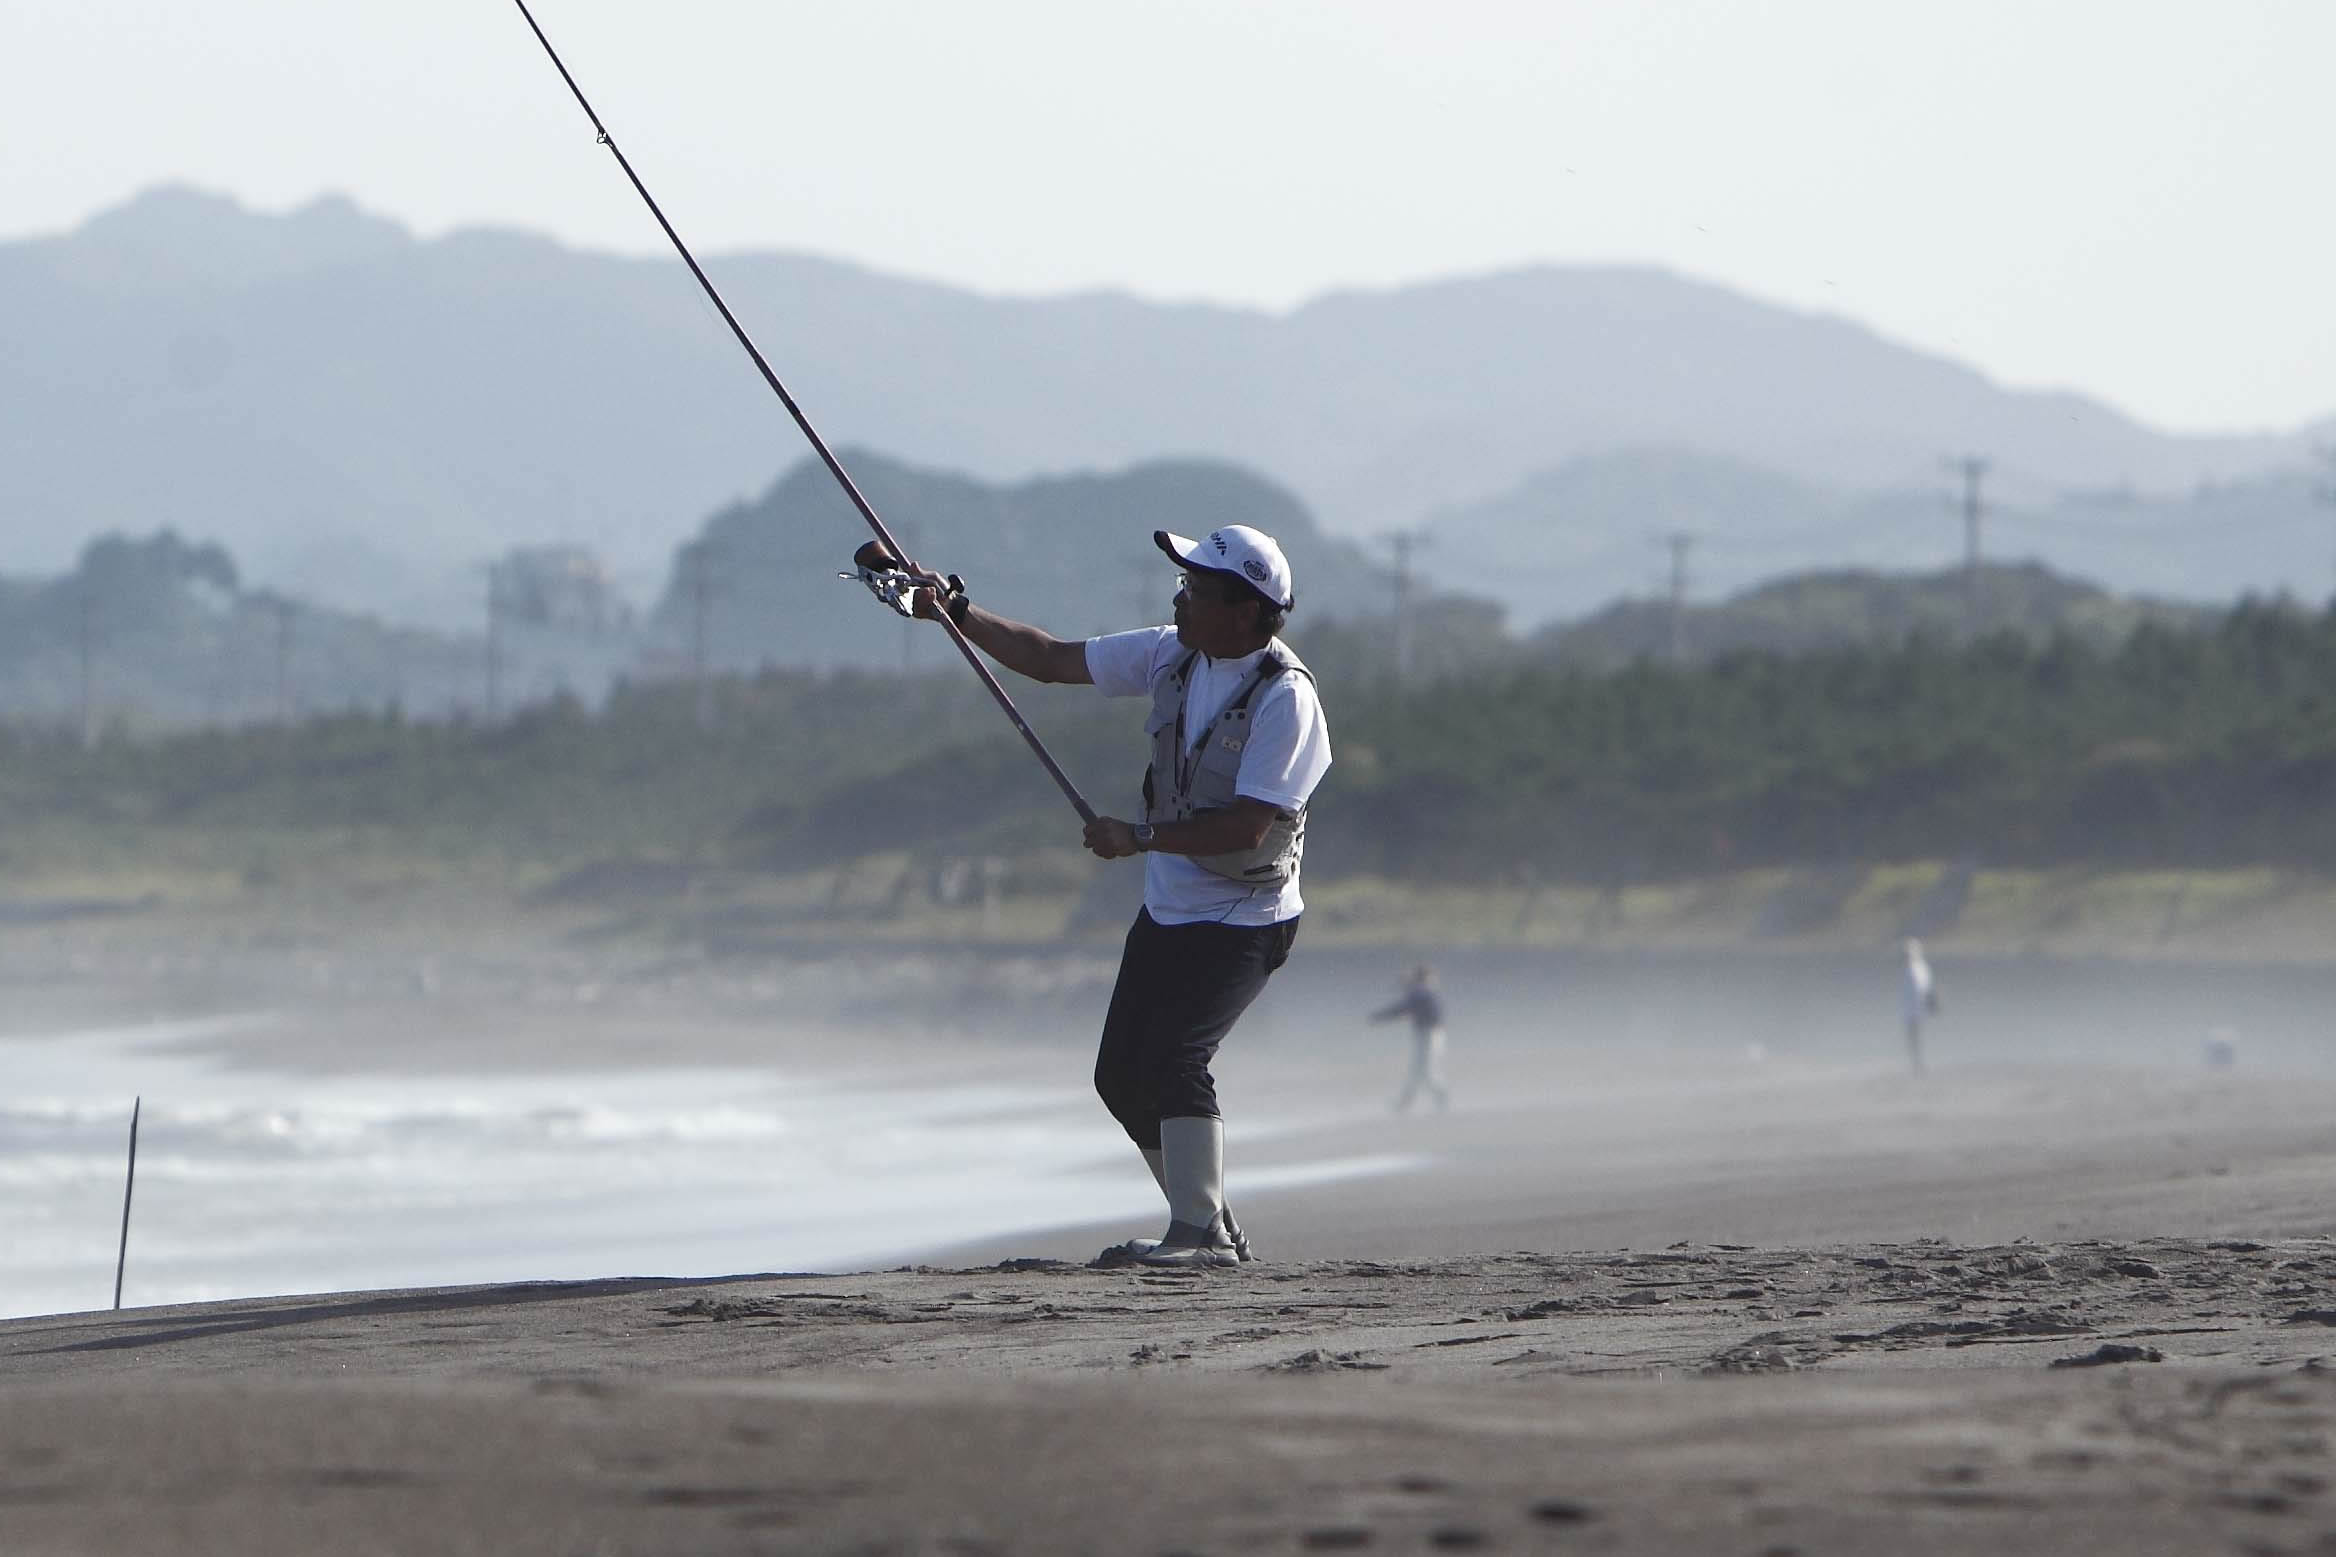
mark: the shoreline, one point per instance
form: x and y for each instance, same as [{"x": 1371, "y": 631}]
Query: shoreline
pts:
[{"x": 1604, "y": 1101}]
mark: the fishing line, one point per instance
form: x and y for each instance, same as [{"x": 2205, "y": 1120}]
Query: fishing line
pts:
[{"x": 819, "y": 445}]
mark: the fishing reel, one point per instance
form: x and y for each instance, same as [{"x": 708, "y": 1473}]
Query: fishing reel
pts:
[{"x": 893, "y": 584}]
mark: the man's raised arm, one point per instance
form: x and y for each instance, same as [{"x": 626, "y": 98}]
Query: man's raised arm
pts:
[{"x": 1021, "y": 648}]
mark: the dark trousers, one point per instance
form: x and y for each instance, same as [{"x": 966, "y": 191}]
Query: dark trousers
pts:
[{"x": 1181, "y": 987}]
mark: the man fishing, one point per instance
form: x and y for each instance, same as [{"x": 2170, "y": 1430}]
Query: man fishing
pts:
[{"x": 1238, "y": 742}]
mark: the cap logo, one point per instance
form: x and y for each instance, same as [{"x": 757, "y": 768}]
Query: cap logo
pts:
[
  {"x": 1219, "y": 538},
  {"x": 1254, "y": 568}
]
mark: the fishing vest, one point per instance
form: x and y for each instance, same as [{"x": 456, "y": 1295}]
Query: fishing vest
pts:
[{"x": 1188, "y": 778}]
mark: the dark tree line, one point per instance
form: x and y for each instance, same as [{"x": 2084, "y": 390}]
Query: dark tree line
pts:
[
  {"x": 2205, "y": 746},
  {"x": 2213, "y": 746}
]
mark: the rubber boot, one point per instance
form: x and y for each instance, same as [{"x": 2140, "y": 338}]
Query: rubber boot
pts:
[
  {"x": 1192, "y": 1171},
  {"x": 1135, "y": 1249}
]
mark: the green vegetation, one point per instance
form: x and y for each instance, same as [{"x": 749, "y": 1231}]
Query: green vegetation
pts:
[
  {"x": 2208, "y": 748},
  {"x": 555, "y": 783}
]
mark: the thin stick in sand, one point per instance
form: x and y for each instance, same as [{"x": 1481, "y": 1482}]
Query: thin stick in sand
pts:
[{"x": 122, "y": 1260}]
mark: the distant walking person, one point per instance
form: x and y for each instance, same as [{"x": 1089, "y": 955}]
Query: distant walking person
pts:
[
  {"x": 1421, "y": 1003},
  {"x": 1918, "y": 1000}
]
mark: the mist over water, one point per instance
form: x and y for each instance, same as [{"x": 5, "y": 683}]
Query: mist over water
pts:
[
  {"x": 1550, "y": 1012},
  {"x": 254, "y": 1183}
]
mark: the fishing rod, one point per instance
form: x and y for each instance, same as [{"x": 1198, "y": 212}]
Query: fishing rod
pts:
[{"x": 891, "y": 585}]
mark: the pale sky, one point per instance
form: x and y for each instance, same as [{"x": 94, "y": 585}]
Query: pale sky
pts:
[{"x": 2125, "y": 197}]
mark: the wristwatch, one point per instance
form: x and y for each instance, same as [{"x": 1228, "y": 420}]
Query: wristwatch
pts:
[{"x": 1143, "y": 832}]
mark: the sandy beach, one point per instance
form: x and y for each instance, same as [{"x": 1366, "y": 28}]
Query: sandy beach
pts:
[
  {"x": 1694, "y": 1266},
  {"x": 2026, "y": 1310},
  {"x": 2160, "y": 1396}
]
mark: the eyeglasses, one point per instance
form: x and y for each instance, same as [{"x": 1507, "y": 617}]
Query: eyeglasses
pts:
[{"x": 1216, "y": 591}]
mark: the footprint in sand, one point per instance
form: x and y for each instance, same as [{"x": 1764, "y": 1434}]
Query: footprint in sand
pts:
[
  {"x": 1754, "y": 1357},
  {"x": 1317, "y": 1360},
  {"x": 1563, "y": 1511},
  {"x": 2107, "y": 1353}
]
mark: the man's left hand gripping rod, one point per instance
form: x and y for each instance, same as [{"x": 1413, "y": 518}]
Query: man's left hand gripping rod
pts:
[{"x": 891, "y": 582}]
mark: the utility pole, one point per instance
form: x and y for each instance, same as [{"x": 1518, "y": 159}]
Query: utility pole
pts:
[
  {"x": 1973, "y": 469},
  {"x": 2325, "y": 490},
  {"x": 494, "y": 641},
  {"x": 88, "y": 658},
  {"x": 1401, "y": 543},
  {"x": 1147, "y": 593},
  {"x": 220, "y": 685},
  {"x": 283, "y": 660},
  {"x": 701, "y": 588},
  {"x": 1681, "y": 543},
  {"x": 394, "y": 663}
]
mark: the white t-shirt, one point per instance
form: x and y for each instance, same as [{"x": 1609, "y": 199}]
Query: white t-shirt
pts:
[{"x": 1287, "y": 753}]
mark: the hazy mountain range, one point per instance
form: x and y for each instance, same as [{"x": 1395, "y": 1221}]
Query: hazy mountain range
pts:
[
  {"x": 363, "y": 416},
  {"x": 160, "y": 630},
  {"x": 1568, "y": 541},
  {"x": 1806, "y": 612}
]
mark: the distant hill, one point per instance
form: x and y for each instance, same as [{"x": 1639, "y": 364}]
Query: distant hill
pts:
[
  {"x": 167, "y": 635},
  {"x": 171, "y": 634},
  {"x": 1570, "y": 539},
  {"x": 1073, "y": 554},
  {"x": 362, "y": 417},
  {"x": 1841, "y": 609},
  {"x": 157, "y": 632}
]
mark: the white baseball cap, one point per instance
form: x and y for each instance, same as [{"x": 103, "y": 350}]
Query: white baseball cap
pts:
[{"x": 1252, "y": 554}]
